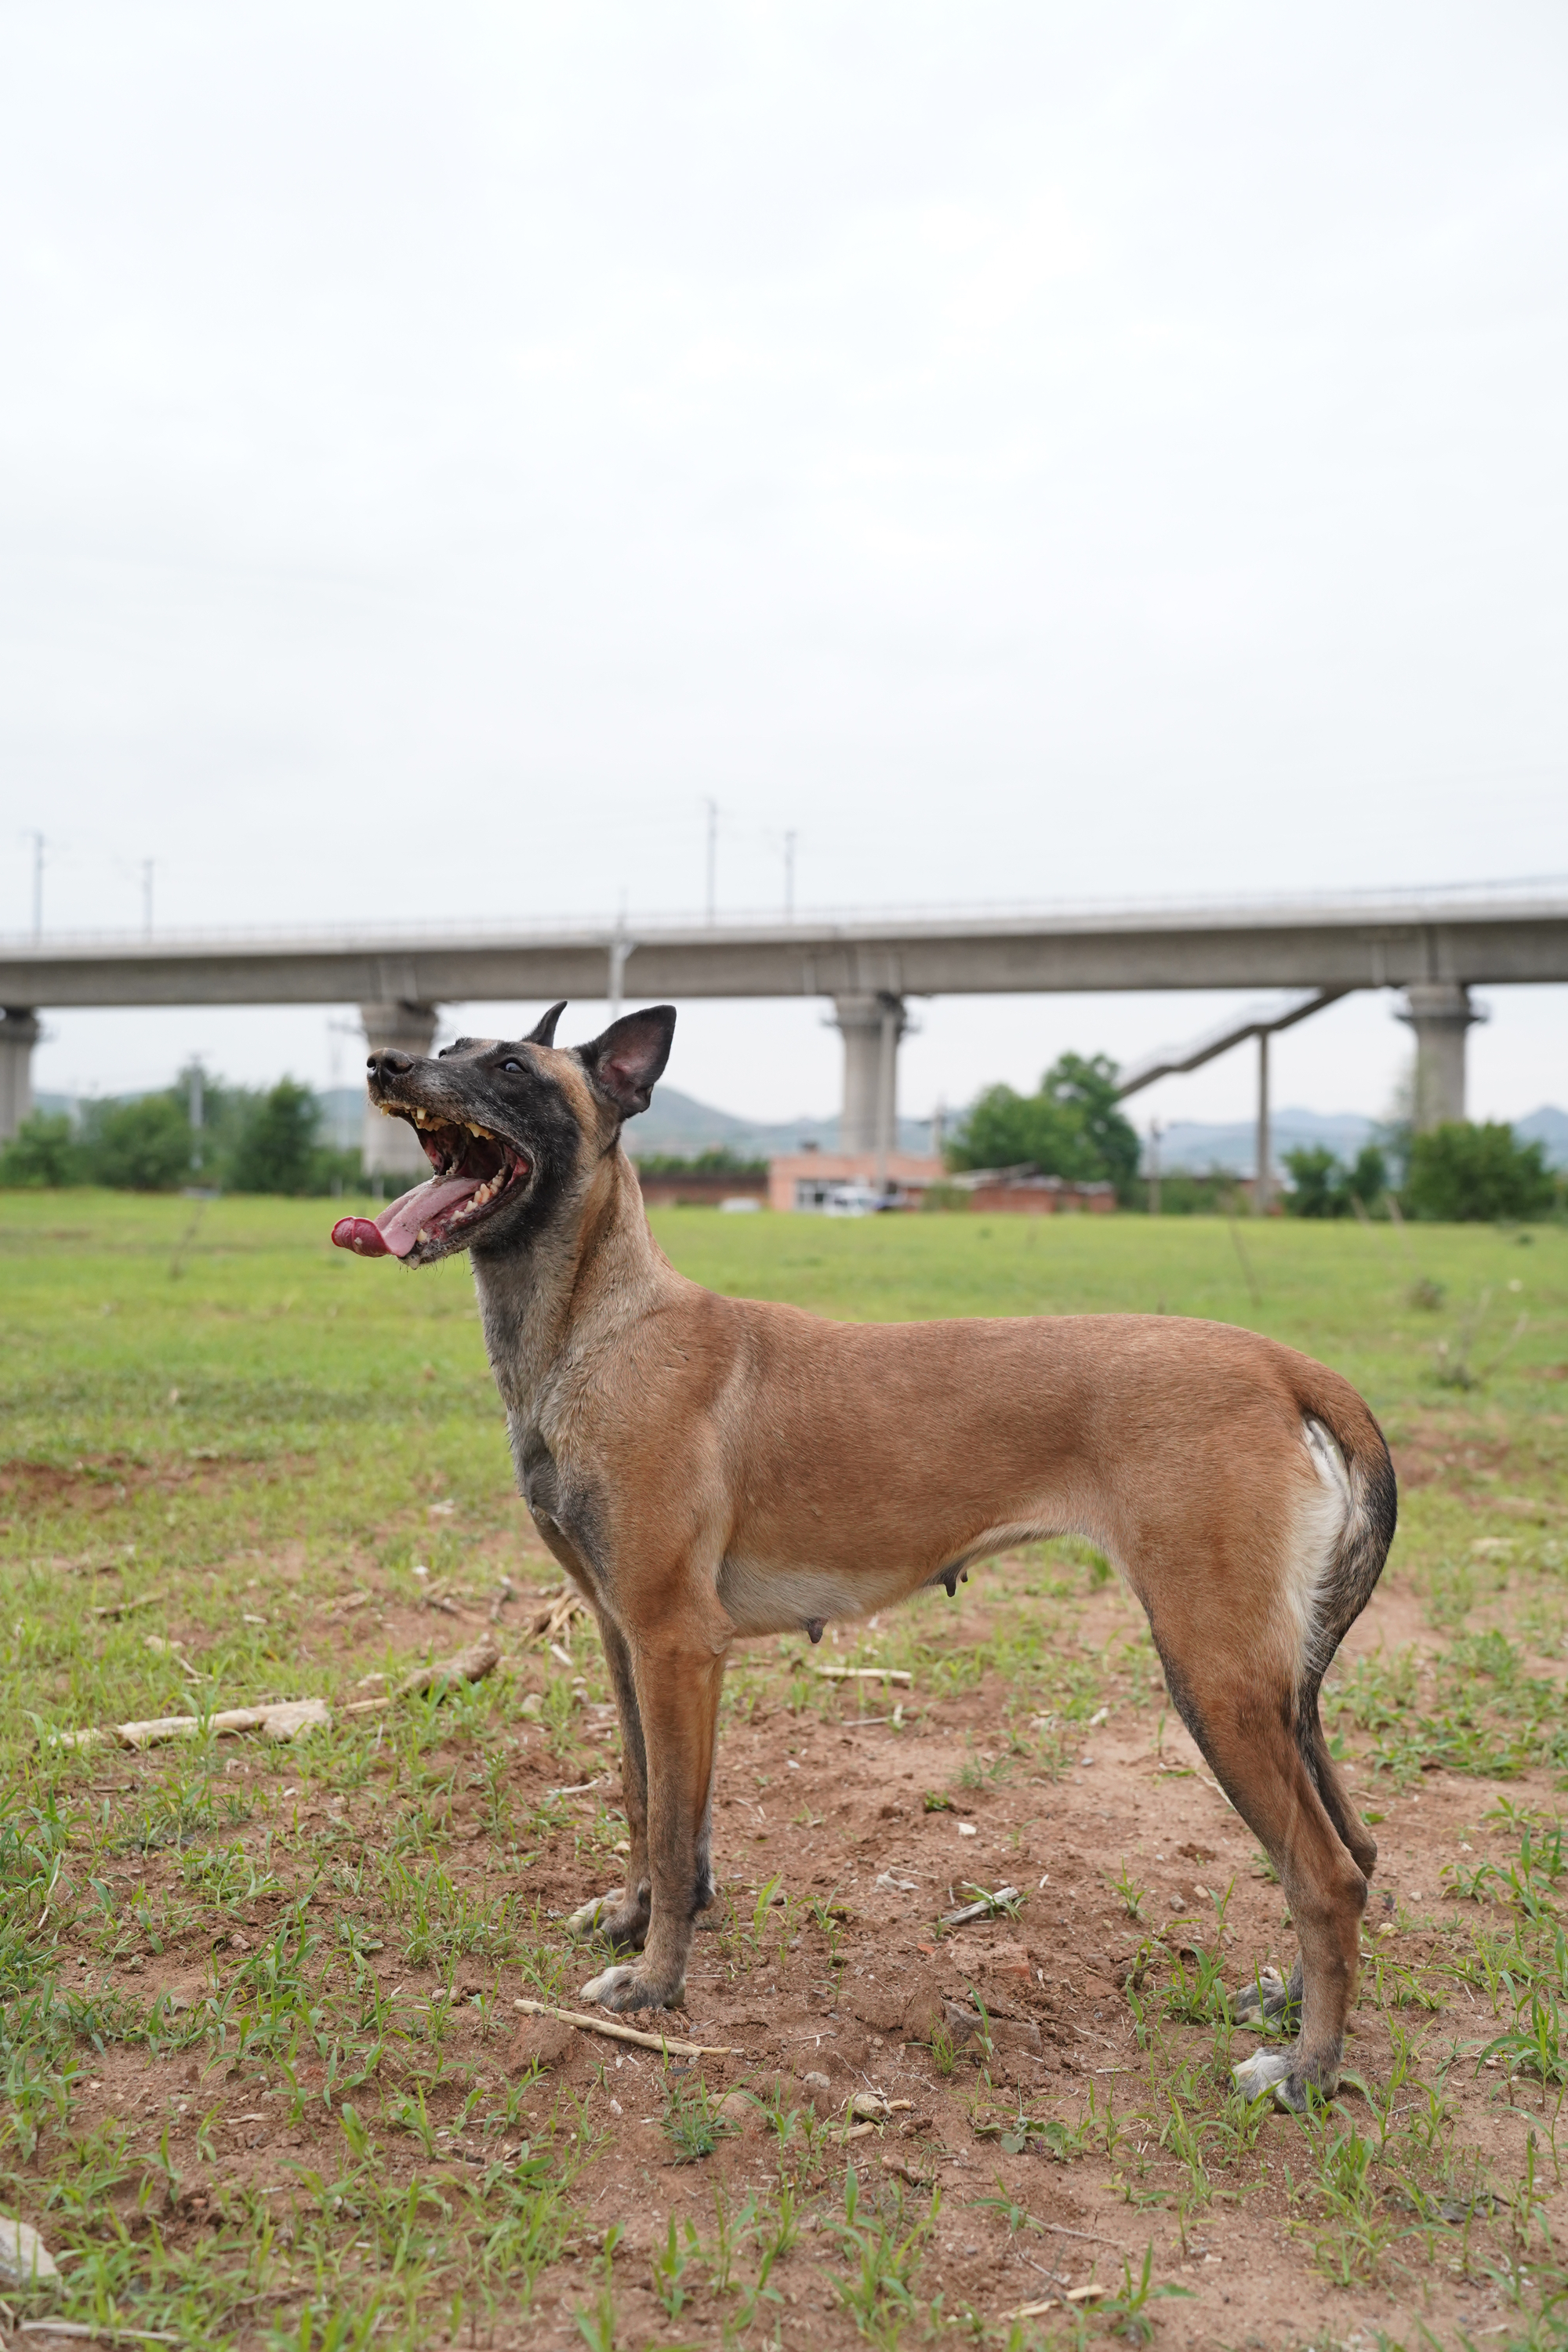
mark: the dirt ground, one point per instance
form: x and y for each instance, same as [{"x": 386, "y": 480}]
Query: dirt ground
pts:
[{"x": 884, "y": 1825}]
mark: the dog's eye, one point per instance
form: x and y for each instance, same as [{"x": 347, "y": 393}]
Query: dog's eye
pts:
[{"x": 517, "y": 1067}]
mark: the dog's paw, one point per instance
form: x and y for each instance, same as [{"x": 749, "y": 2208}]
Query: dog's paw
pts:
[
  {"x": 620, "y": 1988},
  {"x": 606, "y": 1984},
  {"x": 1265, "y": 1996},
  {"x": 590, "y": 1915},
  {"x": 1265, "y": 2071}
]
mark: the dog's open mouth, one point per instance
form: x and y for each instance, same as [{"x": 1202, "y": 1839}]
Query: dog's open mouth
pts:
[{"x": 474, "y": 1171}]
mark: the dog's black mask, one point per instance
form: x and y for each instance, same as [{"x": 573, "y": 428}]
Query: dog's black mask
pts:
[{"x": 503, "y": 1126}]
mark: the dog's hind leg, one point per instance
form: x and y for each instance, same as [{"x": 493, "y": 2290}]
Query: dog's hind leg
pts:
[
  {"x": 1269, "y": 1998},
  {"x": 677, "y": 1692},
  {"x": 1353, "y": 1831},
  {"x": 1249, "y": 1737}
]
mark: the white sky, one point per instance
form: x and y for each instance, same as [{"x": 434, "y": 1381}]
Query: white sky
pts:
[{"x": 1030, "y": 450}]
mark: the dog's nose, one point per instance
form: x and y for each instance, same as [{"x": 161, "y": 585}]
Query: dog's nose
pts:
[{"x": 388, "y": 1063}]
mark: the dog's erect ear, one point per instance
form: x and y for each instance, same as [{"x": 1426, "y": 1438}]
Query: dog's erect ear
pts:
[
  {"x": 543, "y": 1030},
  {"x": 628, "y": 1062}
]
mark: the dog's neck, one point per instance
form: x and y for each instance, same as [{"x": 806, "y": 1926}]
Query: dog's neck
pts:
[{"x": 549, "y": 1306}]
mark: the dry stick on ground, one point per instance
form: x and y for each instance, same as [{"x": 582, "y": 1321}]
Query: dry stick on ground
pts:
[
  {"x": 863, "y": 1675},
  {"x": 552, "y": 1619},
  {"x": 469, "y": 1665},
  {"x": 290, "y": 1716},
  {"x": 284, "y": 1721},
  {"x": 607, "y": 2026},
  {"x": 125, "y": 1608},
  {"x": 95, "y": 2332}
]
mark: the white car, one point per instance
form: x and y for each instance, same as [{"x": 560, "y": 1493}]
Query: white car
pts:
[{"x": 854, "y": 1198}]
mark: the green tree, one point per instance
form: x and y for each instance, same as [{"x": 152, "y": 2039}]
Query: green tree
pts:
[
  {"x": 1461, "y": 1174},
  {"x": 43, "y": 1153},
  {"x": 1317, "y": 1182},
  {"x": 139, "y": 1145},
  {"x": 1088, "y": 1089},
  {"x": 1368, "y": 1179},
  {"x": 1007, "y": 1129},
  {"x": 274, "y": 1150},
  {"x": 1072, "y": 1127},
  {"x": 1323, "y": 1186}
]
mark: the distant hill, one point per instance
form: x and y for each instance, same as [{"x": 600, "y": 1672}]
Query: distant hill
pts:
[
  {"x": 1549, "y": 1126},
  {"x": 1189, "y": 1144}
]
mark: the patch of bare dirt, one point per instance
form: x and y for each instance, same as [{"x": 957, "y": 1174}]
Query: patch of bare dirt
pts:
[
  {"x": 107, "y": 1479},
  {"x": 835, "y": 1808}
]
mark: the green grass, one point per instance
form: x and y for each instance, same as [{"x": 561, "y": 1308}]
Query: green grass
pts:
[
  {"x": 204, "y": 1383},
  {"x": 225, "y": 1450}
]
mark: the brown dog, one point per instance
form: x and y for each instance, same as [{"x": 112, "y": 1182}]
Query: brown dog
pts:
[{"x": 707, "y": 1468}]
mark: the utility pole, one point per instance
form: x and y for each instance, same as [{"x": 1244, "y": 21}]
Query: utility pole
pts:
[
  {"x": 713, "y": 808},
  {"x": 37, "y": 888},
  {"x": 197, "y": 1112},
  {"x": 147, "y": 898},
  {"x": 789, "y": 877}
]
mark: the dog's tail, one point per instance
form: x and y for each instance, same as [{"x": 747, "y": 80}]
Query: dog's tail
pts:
[
  {"x": 1349, "y": 1529},
  {"x": 1350, "y": 1457}
]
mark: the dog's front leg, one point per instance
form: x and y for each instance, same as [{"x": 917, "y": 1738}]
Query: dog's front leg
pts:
[
  {"x": 678, "y": 1696},
  {"x": 626, "y": 1922}
]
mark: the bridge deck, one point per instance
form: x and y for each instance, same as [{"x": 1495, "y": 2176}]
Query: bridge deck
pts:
[{"x": 1495, "y": 935}]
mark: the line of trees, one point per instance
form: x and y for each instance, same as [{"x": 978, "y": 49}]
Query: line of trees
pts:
[
  {"x": 1073, "y": 1127},
  {"x": 248, "y": 1141},
  {"x": 1455, "y": 1175},
  {"x": 718, "y": 1159}
]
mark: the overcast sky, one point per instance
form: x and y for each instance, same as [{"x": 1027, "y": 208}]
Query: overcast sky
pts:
[{"x": 1029, "y": 451}]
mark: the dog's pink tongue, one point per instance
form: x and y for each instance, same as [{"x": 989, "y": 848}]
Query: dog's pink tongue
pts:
[
  {"x": 359, "y": 1236},
  {"x": 399, "y": 1224},
  {"x": 401, "y": 1219}
]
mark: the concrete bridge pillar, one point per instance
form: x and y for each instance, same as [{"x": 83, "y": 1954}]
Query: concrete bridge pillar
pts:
[
  {"x": 388, "y": 1146},
  {"x": 871, "y": 1026},
  {"x": 1439, "y": 1012},
  {"x": 19, "y": 1033}
]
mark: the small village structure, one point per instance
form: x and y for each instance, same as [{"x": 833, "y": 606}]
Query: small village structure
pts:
[
  {"x": 850, "y": 1184},
  {"x": 702, "y": 1188},
  {"x": 1024, "y": 1192}
]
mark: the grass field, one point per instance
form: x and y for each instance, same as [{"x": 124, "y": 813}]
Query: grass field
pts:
[{"x": 263, "y": 2082}]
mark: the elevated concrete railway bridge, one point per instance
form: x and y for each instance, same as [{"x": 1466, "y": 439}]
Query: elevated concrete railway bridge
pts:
[{"x": 1435, "y": 946}]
